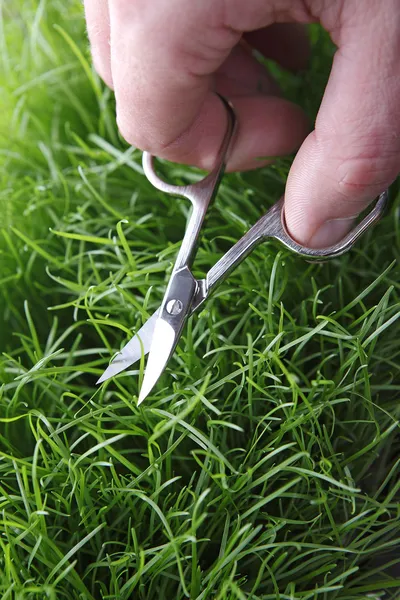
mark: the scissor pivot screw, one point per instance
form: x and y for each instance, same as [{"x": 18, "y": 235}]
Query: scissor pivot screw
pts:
[{"x": 174, "y": 307}]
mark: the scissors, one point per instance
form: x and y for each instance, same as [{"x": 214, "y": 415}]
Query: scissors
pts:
[{"x": 160, "y": 334}]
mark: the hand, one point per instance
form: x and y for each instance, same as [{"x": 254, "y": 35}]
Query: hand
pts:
[{"x": 166, "y": 58}]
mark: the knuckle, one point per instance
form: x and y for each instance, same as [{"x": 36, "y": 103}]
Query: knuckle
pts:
[
  {"x": 361, "y": 177},
  {"x": 357, "y": 173},
  {"x": 143, "y": 128},
  {"x": 138, "y": 134}
]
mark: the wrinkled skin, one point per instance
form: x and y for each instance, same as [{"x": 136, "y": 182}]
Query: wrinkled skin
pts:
[{"x": 164, "y": 59}]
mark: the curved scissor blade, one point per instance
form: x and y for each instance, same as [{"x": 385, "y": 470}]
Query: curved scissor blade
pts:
[
  {"x": 174, "y": 312},
  {"x": 163, "y": 345},
  {"x": 138, "y": 345}
]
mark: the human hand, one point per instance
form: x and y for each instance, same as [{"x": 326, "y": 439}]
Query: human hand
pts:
[{"x": 166, "y": 58}]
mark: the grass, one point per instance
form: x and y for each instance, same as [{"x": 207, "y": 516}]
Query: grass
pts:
[{"x": 265, "y": 463}]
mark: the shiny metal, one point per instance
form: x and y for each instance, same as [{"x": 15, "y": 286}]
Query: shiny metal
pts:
[
  {"x": 272, "y": 225},
  {"x": 168, "y": 327},
  {"x": 174, "y": 307},
  {"x": 200, "y": 193},
  {"x": 182, "y": 286},
  {"x": 161, "y": 332},
  {"x": 133, "y": 350},
  {"x": 164, "y": 343}
]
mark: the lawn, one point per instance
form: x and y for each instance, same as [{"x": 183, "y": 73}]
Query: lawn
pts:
[{"x": 264, "y": 465}]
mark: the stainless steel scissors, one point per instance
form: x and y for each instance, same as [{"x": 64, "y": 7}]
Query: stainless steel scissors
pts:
[{"x": 160, "y": 334}]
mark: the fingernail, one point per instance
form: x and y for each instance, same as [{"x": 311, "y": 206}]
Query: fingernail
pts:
[{"x": 331, "y": 232}]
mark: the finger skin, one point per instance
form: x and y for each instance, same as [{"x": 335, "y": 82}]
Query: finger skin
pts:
[
  {"x": 165, "y": 91},
  {"x": 165, "y": 61},
  {"x": 98, "y": 29},
  {"x": 354, "y": 152},
  {"x": 268, "y": 127}
]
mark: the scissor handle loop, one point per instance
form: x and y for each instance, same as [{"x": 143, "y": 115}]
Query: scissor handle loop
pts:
[
  {"x": 156, "y": 181},
  {"x": 275, "y": 227},
  {"x": 272, "y": 225},
  {"x": 201, "y": 191}
]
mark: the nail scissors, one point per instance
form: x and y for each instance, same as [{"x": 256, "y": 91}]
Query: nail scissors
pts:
[{"x": 160, "y": 334}]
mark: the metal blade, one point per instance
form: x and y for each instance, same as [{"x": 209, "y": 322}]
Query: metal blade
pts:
[
  {"x": 174, "y": 312},
  {"x": 133, "y": 350},
  {"x": 162, "y": 347}
]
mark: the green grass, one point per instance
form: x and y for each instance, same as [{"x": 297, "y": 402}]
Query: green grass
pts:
[{"x": 265, "y": 463}]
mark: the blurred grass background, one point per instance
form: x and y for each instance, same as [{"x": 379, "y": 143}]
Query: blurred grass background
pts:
[{"x": 265, "y": 464}]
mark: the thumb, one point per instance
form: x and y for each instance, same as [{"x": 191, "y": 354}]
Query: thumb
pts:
[{"x": 354, "y": 152}]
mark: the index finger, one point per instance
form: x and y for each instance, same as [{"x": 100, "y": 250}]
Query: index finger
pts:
[{"x": 164, "y": 56}]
